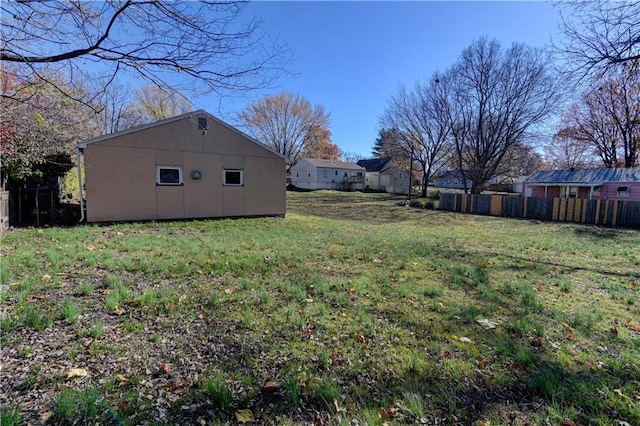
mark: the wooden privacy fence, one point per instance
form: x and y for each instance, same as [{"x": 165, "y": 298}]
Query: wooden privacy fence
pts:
[{"x": 596, "y": 212}]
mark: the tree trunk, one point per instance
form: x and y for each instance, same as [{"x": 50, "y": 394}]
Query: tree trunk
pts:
[{"x": 476, "y": 188}]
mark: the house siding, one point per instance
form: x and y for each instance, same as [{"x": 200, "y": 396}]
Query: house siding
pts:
[
  {"x": 120, "y": 174},
  {"x": 307, "y": 175},
  {"x": 608, "y": 191},
  {"x": 605, "y": 183}
]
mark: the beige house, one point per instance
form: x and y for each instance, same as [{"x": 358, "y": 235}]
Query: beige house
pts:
[
  {"x": 189, "y": 166},
  {"x": 316, "y": 173},
  {"x": 384, "y": 175}
]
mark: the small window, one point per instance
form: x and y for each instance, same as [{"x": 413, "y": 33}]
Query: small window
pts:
[
  {"x": 568, "y": 192},
  {"x": 336, "y": 173},
  {"x": 169, "y": 175},
  {"x": 233, "y": 177},
  {"x": 623, "y": 191},
  {"x": 202, "y": 123}
]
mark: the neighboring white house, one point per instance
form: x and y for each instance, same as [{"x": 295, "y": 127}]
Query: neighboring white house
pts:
[
  {"x": 383, "y": 175},
  {"x": 518, "y": 184},
  {"x": 315, "y": 173}
]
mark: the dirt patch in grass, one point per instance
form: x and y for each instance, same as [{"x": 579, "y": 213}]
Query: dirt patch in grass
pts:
[{"x": 351, "y": 310}]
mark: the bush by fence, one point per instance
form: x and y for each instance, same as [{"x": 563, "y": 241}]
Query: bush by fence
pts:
[{"x": 596, "y": 212}]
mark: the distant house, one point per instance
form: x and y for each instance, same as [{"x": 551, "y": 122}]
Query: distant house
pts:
[
  {"x": 596, "y": 184},
  {"x": 451, "y": 179},
  {"x": 189, "y": 166},
  {"x": 315, "y": 173},
  {"x": 518, "y": 184},
  {"x": 454, "y": 179},
  {"x": 382, "y": 174}
]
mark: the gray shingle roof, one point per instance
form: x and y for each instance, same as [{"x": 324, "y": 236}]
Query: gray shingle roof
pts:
[
  {"x": 373, "y": 164},
  {"x": 332, "y": 164}
]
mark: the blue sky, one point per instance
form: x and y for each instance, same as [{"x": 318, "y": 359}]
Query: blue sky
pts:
[{"x": 351, "y": 56}]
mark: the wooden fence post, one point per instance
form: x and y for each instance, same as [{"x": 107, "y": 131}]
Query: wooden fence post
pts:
[
  {"x": 571, "y": 204},
  {"x": 496, "y": 205}
]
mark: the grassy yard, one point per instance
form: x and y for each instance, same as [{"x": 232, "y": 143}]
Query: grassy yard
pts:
[{"x": 351, "y": 310}]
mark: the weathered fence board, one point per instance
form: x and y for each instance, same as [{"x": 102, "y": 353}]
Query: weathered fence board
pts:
[{"x": 596, "y": 212}]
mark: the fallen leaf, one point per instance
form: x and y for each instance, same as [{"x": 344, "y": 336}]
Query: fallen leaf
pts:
[
  {"x": 45, "y": 278},
  {"x": 465, "y": 340},
  {"x": 537, "y": 342},
  {"x": 44, "y": 417},
  {"x": 122, "y": 405},
  {"x": 165, "y": 368},
  {"x": 486, "y": 324},
  {"x": 76, "y": 372},
  {"x": 382, "y": 413},
  {"x": 118, "y": 311},
  {"x": 244, "y": 416},
  {"x": 393, "y": 410},
  {"x": 271, "y": 386},
  {"x": 614, "y": 331},
  {"x": 482, "y": 361},
  {"x": 122, "y": 378}
]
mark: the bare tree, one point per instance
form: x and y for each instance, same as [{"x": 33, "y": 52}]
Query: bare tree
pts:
[
  {"x": 350, "y": 157},
  {"x": 285, "y": 122},
  {"x": 496, "y": 98},
  {"x": 154, "y": 40},
  {"x": 117, "y": 109},
  {"x": 607, "y": 119},
  {"x": 156, "y": 103},
  {"x": 600, "y": 36},
  {"x": 423, "y": 131},
  {"x": 567, "y": 150},
  {"x": 521, "y": 160}
]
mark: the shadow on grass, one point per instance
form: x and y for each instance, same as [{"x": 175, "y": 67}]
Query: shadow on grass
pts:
[{"x": 598, "y": 232}]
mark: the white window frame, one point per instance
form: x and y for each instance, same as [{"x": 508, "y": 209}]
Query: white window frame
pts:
[
  {"x": 620, "y": 192},
  {"x": 224, "y": 177},
  {"x": 180, "y": 175}
]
